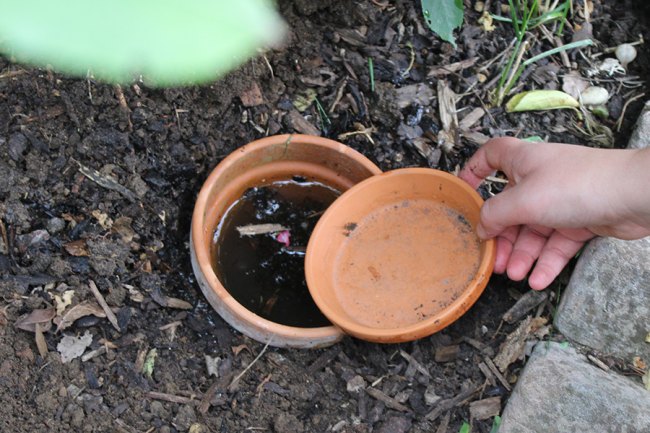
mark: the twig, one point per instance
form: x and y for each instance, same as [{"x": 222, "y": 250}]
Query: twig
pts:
[
  {"x": 419, "y": 367},
  {"x": 106, "y": 182},
  {"x": 102, "y": 302},
  {"x": 171, "y": 398},
  {"x": 619, "y": 122},
  {"x": 449, "y": 403},
  {"x": 389, "y": 401},
  {"x": 493, "y": 368},
  {"x": 260, "y": 229},
  {"x": 240, "y": 375}
]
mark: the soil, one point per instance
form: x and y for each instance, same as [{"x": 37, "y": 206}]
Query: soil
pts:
[{"x": 97, "y": 184}]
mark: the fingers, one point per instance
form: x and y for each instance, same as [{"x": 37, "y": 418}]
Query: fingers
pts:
[
  {"x": 494, "y": 155},
  {"x": 526, "y": 250},
  {"x": 512, "y": 207},
  {"x": 505, "y": 242},
  {"x": 556, "y": 253}
]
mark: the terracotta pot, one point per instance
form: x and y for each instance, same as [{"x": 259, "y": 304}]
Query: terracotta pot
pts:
[
  {"x": 396, "y": 257},
  {"x": 259, "y": 163}
]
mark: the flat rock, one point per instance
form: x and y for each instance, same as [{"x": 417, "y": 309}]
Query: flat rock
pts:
[
  {"x": 606, "y": 305},
  {"x": 559, "y": 391},
  {"x": 641, "y": 136}
]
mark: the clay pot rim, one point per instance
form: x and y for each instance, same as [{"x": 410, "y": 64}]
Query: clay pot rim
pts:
[
  {"x": 203, "y": 259},
  {"x": 432, "y": 324}
]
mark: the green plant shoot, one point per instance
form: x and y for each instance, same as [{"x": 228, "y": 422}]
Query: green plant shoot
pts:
[
  {"x": 164, "y": 42},
  {"x": 443, "y": 16}
]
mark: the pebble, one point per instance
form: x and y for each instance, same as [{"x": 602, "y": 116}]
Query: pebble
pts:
[
  {"x": 17, "y": 146},
  {"x": 55, "y": 225},
  {"x": 395, "y": 424}
]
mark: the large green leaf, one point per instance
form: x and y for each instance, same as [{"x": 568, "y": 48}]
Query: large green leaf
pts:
[
  {"x": 443, "y": 16},
  {"x": 167, "y": 42}
]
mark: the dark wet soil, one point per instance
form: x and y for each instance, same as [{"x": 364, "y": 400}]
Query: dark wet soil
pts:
[{"x": 97, "y": 184}]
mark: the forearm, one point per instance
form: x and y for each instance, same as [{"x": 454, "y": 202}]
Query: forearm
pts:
[{"x": 635, "y": 181}]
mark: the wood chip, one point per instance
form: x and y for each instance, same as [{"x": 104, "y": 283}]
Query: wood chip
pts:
[
  {"x": 324, "y": 359},
  {"x": 94, "y": 353},
  {"x": 41, "y": 345},
  {"x": 444, "y": 424},
  {"x": 527, "y": 302},
  {"x": 441, "y": 71},
  {"x": 444, "y": 405},
  {"x": 420, "y": 94},
  {"x": 485, "y": 409},
  {"x": 482, "y": 347},
  {"x": 487, "y": 373},
  {"x": 493, "y": 368},
  {"x": 414, "y": 362},
  {"x": 252, "y": 97},
  {"x": 475, "y": 137},
  {"x": 77, "y": 248},
  {"x": 260, "y": 229},
  {"x": 300, "y": 124},
  {"x": 597, "y": 362},
  {"x": 107, "y": 182},
  {"x": 470, "y": 119},
  {"x": 447, "y": 353},
  {"x": 448, "y": 116},
  {"x": 388, "y": 401},
  {"x": 102, "y": 302}
]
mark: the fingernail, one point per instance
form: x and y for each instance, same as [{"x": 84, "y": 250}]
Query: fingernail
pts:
[{"x": 481, "y": 232}]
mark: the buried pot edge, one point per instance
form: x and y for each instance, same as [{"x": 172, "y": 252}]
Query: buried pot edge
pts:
[{"x": 264, "y": 160}]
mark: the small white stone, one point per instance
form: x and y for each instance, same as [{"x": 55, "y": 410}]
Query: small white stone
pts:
[
  {"x": 594, "y": 96},
  {"x": 625, "y": 53}
]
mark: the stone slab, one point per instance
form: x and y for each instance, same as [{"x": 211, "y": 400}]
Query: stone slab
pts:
[
  {"x": 641, "y": 136},
  {"x": 606, "y": 305},
  {"x": 559, "y": 391}
]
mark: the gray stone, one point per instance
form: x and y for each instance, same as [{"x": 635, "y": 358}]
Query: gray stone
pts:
[
  {"x": 641, "y": 136},
  {"x": 606, "y": 305},
  {"x": 55, "y": 225},
  {"x": 559, "y": 391}
]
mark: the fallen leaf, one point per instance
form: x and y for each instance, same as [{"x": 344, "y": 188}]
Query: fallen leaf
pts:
[
  {"x": 252, "y": 96},
  {"x": 63, "y": 301},
  {"x": 639, "y": 363},
  {"x": 27, "y": 322},
  {"x": 149, "y": 362},
  {"x": 574, "y": 84},
  {"x": 122, "y": 226},
  {"x": 41, "y": 345},
  {"x": 77, "y": 248},
  {"x": 236, "y": 350},
  {"x": 541, "y": 100},
  {"x": 514, "y": 347},
  {"x": 486, "y": 22},
  {"x": 102, "y": 219},
  {"x": 303, "y": 102},
  {"x": 71, "y": 347},
  {"x": 169, "y": 302},
  {"x": 77, "y": 312}
]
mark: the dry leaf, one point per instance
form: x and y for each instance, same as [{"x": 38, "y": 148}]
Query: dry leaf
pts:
[
  {"x": 514, "y": 347},
  {"x": 237, "y": 349},
  {"x": 639, "y": 363},
  {"x": 27, "y": 322},
  {"x": 212, "y": 364},
  {"x": 63, "y": 301},
  {"x": 41, "y": 345},
  {"x": 541, "y": 100},
  {"x": 122, "y": 226},
  {"x": 77, "y": 248},
  {"x": 71, "y": 347},
  {"x": 77, "y": 312},
  {"x": 573, "y": 84},
  {"x": 103, "y": 219}
]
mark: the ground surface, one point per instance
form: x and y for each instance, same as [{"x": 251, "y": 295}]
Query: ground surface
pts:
[{"x": 66, "y": 146}]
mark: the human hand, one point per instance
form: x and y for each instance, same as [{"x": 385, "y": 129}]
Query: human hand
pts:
[{"x": 558, "y": 197}]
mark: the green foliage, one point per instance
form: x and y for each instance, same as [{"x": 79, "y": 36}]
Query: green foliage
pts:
[
  {"x": 496, "y": 424},
  {"x": 465, "y": 428},
  {"x": 165, "y": 42},
  {"x": 443, "y": 16}
]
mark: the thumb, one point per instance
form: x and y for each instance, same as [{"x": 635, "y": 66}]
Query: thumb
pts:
[{"x": 509, "y": 208}]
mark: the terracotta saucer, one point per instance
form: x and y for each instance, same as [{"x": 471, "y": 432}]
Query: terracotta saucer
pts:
[{"x": 396, "y": 258}]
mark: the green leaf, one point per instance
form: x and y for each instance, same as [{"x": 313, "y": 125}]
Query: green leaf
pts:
[
  {"x": 541, "y": 100},
  {"x": 496, "y": 424},
  {"x": 443, "y": 16},
  {"x": 465, "y": 428},
  {"x": 165, "y": 42}
]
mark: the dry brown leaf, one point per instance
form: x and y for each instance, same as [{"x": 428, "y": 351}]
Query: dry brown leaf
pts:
[
  {"x": 41, "y": 345},
  {"x": 77, "y": 312},
  {"x": 27, "y": 322},
  {"x": 122, "y": 226},
  {"x": 63, "y": 301},
  {"x": 77, "y": 248},
  {"x": 514, "y": 347},
  {"x": 236, "y": 350},
  {"x": 639, "y": 363},
  {"x": 102, "y": 219}
]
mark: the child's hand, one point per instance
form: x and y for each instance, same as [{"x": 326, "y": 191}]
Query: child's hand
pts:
[{"x": 559, "y": 196}]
